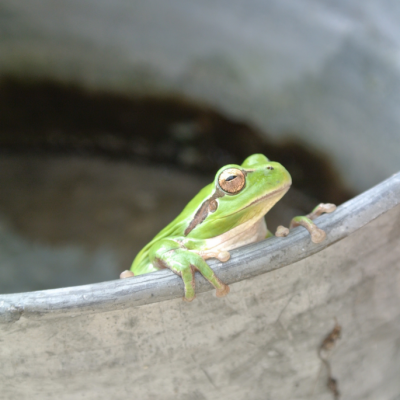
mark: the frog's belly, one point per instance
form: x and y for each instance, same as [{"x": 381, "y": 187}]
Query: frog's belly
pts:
[{"x": 246, "y": 233}]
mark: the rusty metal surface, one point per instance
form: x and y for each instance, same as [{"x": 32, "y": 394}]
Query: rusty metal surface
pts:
[{"x": 136, "y": 337}]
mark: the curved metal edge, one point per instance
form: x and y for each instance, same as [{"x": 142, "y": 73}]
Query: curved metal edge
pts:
[{"x": 246, "y": 262}]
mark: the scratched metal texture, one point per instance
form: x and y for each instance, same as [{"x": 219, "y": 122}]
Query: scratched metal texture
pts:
[{"x": 136, "y": 338}]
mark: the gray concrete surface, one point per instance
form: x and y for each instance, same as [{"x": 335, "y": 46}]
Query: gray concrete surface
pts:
[{"x": 137, "y": 338}]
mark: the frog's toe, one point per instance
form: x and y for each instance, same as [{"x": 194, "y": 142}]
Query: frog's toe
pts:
[
  {"x": 126, "y": 274},
  {"x": 321, "y": 208},
  {"x": 328, "y": 207},
  {"x": 222, "y": 291},
  {"x": 281, "y": 231},
  {"x": 188, "y": 299},
  {"x": 317, "y": 235},
  {"x": 223, "y": 256}
]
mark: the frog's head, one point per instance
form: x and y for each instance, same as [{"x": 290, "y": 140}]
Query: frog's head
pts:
[{"x": 241, "y": 193}]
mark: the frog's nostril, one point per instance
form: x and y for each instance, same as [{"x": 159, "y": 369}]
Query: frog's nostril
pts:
[{"x": 269, "y": 167}]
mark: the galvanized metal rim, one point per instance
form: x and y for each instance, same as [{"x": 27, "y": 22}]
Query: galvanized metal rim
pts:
[{"x": 246, "y": 262}]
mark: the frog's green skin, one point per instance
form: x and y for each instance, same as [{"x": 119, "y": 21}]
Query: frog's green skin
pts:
[
  {"x": 218, "y": 220},
  {"x": 215, "y": 222}
]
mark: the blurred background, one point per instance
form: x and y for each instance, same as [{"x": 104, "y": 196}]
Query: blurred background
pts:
[{"x": 113, "y": 115}]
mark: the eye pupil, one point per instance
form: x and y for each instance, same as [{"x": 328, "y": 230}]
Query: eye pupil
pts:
[{"x": 232, "y": 180}]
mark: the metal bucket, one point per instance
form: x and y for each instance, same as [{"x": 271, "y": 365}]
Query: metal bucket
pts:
[
  {"x": 324, "y": 73},
  {"x": 137, "y": 338}
]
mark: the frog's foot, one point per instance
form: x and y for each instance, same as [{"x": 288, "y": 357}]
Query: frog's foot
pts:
[
  {"x": 223, "y": 291},
  {"x": 222, "y": 256},
  {"x": 321, "y": 209},
  {"x": 317, "y": 234},
  {"x": 221, "y": 288},
  {"x": 187, "y": 275},
  {"x": 281, "y": 231},
  {"x": 185, "y": 263},
  {"x": 126, "y": 274}
]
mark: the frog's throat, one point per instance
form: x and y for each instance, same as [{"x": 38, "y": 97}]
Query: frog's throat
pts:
[{"x": 250, "y": 231}]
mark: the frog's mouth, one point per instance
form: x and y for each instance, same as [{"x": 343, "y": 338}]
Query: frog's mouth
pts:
[{"x": 273, "y": 196}]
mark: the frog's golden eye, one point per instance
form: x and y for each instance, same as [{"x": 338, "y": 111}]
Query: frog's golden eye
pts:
[{"x": 232, "y": 180}]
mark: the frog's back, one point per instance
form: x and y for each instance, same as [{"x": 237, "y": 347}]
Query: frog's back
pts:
[{"x": 141, "y": 264}]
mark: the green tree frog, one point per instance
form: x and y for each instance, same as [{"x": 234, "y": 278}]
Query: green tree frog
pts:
[{"x": 226, "y": 214}]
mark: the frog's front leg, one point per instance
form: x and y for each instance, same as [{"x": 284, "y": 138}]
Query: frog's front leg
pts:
[
  {"x": 317, "y": 234},
  {"x": 169, "y": 254}
]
